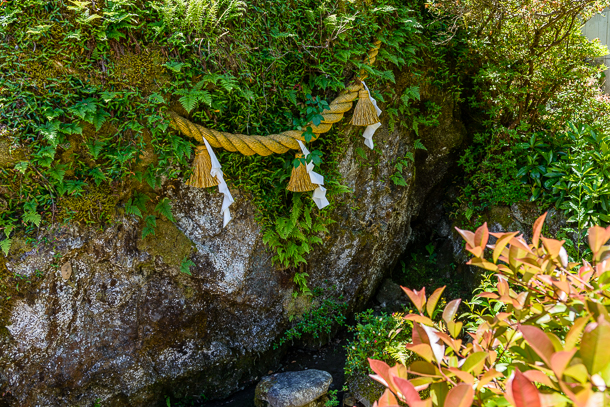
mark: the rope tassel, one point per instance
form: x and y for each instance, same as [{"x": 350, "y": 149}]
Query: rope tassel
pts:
[
  {"x": 202, "y": 168},
  {"x": 371, "y": 129},
  {"x": 365, "y": 112},
  {"x": 300, "y": 181},
  {"x": 207, "y": 172}
]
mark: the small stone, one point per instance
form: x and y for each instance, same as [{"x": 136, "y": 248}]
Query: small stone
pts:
[
  {"x": 66, "y": 271},
  {"x": 292, "y": 389}
]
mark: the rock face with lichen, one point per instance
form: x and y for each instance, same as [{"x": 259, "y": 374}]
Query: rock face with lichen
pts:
[{"x": 127, "y": 327}]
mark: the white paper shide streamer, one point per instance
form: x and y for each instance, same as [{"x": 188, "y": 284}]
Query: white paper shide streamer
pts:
[
  {"x": 319, "y": 195},
  {"x": 370, "y": 130},
  {"x": 222, "y": 185}
]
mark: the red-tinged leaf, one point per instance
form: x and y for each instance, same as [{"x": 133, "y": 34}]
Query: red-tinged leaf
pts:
[
  {"x": 538, "y": 229},
  {"x": 523, "y": 393},
  {"x": 489, "y": 376},
  {"x": 451, "y": 310},
  {"x": 421, "y": 383},
  {"x": 475, "y": 362},
  {"x": 552, "y": 246},
  {"x": 598, "y": 236},
  {"x": 488, "y": 295},
  {"x": 454, "y": 328},
  {"x": 531, "y": 261},
  {"x": 503, "y": 287},
  {"x": 399, "y": 370},
  {"x": 407, "y": 391},
  {"x": 453, "y": 343},
  {"x": 423, "y": 350},
  {"x": 433, "y": 300},
  {"x": 382, "y": 369},
  {"x": 387, "y": 399},
  {"x": 521, "y": 244},
  {"x": 563, "y": 286},
  {"x": 574, "y": 335},
  {"x": 581, "y": 396},
  {"x": 482, "y": 263},
  {"x": 586, "y": 272},
  {"x": 418, "y": 298},
  {"x": 422, "y": 368},
  {"x": 501, "y": 243},
  {"x": 595, "y": 347},
  {"x": 481, "y": 236},
  {"x": 467, "y": 235},
  {"x": 514, "y": 254},
  {"x": 501, "y": 316},
  {"x": 463, "y": 376},
  {"x": 538, "y": 340},
  {"x": 418, "y": 335},
  {"x": 438, "y": 348},
  {"x": 519, "y": 302},
  {"x": 493, "y": 355},
  {"x": 560, "y": 360},
  {"x": 475, "y": 251},
  {"x": 461, "y": 395},
  {"x": 419, "y": 318},
  {"x": 539, "y": 377}
]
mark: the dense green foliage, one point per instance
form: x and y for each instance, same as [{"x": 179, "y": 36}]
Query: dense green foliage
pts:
[
  {"x": 85, "y": 88},
  {"x": 572, "y": 173},
  {"x": 381, "y": 337},
  {"x": 526, "y": 74},
  {"x": 318, "y": 322}
]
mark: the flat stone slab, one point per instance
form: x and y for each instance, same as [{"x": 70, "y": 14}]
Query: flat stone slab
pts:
[{"x": 292, "y": 389}]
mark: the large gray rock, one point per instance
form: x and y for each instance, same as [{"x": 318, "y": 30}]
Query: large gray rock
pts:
[
  {"x": 293, "y": 389},
  {"x": 128, "y": 328}
]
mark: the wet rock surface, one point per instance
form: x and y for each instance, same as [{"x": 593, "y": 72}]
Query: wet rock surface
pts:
[
  {"x": 293, "y": 389},
  {"x": 127, "y": 328}
]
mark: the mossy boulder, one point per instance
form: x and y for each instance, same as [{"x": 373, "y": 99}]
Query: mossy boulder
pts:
[{"x": 129, "y": 328}]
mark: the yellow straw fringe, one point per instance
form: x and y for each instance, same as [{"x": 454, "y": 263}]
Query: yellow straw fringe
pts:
[
  {"x": 364, "y": 113},
  {"x": 202, "y": 165},
  {"x": 300, "y": 180}
]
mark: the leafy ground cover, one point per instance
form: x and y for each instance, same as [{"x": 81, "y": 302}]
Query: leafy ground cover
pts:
[{"x": 85, "y": 88}]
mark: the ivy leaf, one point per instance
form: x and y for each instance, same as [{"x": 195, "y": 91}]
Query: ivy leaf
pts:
[
  {"x": 174, "y": 66},
  {"x": 186, "y": 265},
  {"x": 419, "y": 145},
  {"x": 151, "y": 178},
  {"x": 151, "y": 224},
  {"x": 132, "y": 209},
  {"x": 57, "y": 172},
  {"x": 32, "y": 217},
  {"x": 99, "y": 118},
  {"x": 108, "y": 96},
  {"x": 95, "y": 147},
  {"x": 410, "y": 94},
  {"x": 22, "y": 166},
  {"x": 140, "y": 200},
  {"x": 165, "y": 209},
  {"x": 5, "y": 245},
  {"x": 191, "y": 99},
  {"x": 156, "y": 98},
  {"x": 98, "y": 175},
  {"x": 138, "y": 175}
]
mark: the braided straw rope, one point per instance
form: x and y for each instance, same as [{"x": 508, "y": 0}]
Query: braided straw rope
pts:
[{"x": 276, "y": 143}]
